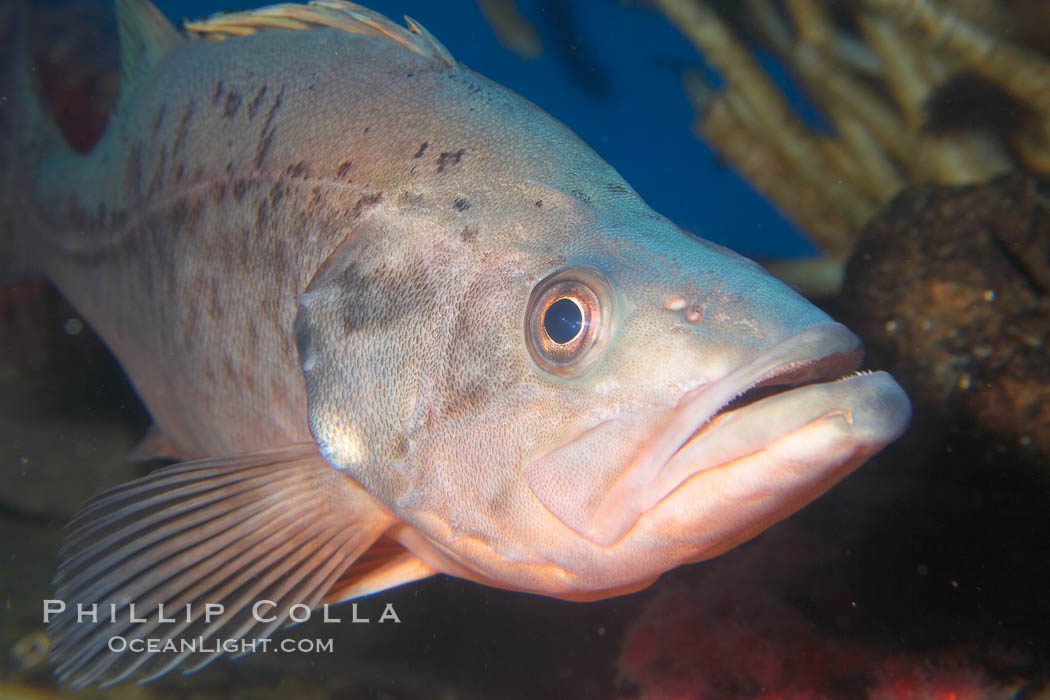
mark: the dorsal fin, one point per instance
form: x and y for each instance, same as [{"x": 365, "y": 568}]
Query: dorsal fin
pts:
[
  {"x": 145, "y": 36},
  {"x": 339, "y": 14}
]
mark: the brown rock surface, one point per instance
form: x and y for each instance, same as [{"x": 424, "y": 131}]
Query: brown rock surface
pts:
[{"x": 950, "y": 288}]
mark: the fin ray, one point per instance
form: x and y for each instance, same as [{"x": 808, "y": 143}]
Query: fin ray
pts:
[
  {"x": 282, "y": 524},
  {"x": 347, "y": 16}
]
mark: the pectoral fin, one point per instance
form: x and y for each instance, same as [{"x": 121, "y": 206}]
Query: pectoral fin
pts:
[
  {"x": 385, "y": 565},
  {"x": 280, "y": 526}
]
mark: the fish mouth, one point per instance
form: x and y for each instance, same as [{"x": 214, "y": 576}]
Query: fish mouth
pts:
[{"x": 804, "y": 380}]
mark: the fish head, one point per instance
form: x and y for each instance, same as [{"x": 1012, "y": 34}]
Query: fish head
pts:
[{"x": 571, "y": 403}]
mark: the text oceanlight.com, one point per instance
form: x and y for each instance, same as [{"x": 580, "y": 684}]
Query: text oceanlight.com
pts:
[{"x": 233, "y": 647}]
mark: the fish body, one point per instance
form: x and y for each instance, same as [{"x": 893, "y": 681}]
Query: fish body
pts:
[{"x": 396, "y": 320}]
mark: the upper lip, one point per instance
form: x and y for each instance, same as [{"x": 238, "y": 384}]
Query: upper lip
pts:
[{"x": 818, "y": 353}]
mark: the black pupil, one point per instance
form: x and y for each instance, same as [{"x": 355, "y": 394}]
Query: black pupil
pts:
[{"x": 563, "y": 321}]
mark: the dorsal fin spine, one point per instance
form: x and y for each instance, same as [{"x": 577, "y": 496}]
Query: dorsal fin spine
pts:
[{"x": 337, "y": 14}]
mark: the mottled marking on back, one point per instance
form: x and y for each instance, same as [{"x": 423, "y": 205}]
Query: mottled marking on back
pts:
[
  {"x": 262, "y": 212},
  {"x": 299, "y": 170},
  {"x": 232, "y": 104},
  {"x": 276, "y": 194},
  {"x": 343, "y": 170},
  {"x": 184, "y": 127},
  {"x": 253, "y": 106},
  {"x": 267, "y": 131}
]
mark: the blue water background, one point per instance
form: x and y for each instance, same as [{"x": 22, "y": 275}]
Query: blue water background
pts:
[{"x": 642, "y": 124}]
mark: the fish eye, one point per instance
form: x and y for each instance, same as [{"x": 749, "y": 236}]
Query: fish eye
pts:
[
  {"x": 568, "y": 320},
  {"x": 563, "y": 320}
]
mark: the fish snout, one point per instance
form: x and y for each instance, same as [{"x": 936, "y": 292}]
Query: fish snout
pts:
[{"x": 734, "y": 455}]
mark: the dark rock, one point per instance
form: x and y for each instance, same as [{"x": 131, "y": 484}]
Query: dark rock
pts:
[{"x": 950, "y": 288}]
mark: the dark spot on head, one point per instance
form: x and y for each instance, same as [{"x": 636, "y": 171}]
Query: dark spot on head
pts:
[
  {"x": 375, "y": 296},
  {"x": 469, "y": 234},
  {"x": 367, "y": 129},
  {"x": 473, "y": 370},
  {"x": 253, "y": 106},
  {"x": 233, "y": 103},
  {"x": 580, "y": 195},
  {"x": 461, "y": 204},
  {"x": 538, "y": 203},
  {"x": 300, "y": 170},
  {"x": 240, "y": 187},
  {"x": 618, "y": 188},
  {"x": 449, "y": 158},
  {"x": 411, "y": 75},
  {"x": 218, "y": 92},
  {"x": 422, "y": 149},
  {"x": 344, "y": 169}
]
